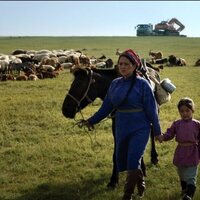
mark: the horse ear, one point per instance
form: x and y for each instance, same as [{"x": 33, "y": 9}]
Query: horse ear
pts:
[{"x": 79, "y": 70}]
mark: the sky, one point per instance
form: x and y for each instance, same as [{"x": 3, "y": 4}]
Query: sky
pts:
[{"x": 93, "y": 18}]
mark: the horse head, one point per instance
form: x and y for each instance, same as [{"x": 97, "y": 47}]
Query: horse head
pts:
[
  {"x": 81, "y": 92},
  {"x": 86, "y": 87}
]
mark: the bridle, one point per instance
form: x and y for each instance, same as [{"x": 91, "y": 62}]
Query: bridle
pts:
[{"x": 85, "y": 95}]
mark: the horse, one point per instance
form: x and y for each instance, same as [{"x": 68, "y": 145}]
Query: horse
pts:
[{"x": 86, "y": 87}]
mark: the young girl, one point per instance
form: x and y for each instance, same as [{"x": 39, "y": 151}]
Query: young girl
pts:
[{"x": 186, "y": 158}]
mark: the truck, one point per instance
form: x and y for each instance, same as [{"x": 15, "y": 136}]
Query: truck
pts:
[{"x": 172, "y": 27}]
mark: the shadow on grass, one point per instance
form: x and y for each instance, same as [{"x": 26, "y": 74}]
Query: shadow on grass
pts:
[{"x": 87, "y": 189}]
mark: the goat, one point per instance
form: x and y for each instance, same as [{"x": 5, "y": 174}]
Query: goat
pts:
[{"x": 118, "y": 52}]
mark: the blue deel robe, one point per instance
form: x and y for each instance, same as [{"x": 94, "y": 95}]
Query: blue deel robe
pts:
[{"x": 132, "y": 127}]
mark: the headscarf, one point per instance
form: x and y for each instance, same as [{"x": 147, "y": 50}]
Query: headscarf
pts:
[{"x": 132, "y": 56}]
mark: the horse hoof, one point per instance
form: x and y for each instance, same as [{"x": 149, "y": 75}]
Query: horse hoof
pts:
[
  {"x": 154, "y": 161},
  {"x": 112, "y": 185}
]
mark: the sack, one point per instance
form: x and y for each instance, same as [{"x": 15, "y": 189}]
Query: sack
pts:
[{"x": 162, "y": 96}]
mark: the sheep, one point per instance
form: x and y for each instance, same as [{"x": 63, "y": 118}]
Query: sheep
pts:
[
  {"x": 156, "y": 55},
  {"x": 181, "y": 62},
  {"x": 49, "y": 61},
  {"x": 73, "y": 58},
  {"x": 40, "y": 56},
  {"x": 67, "y": 65},
  {"x": 173, "y": 60},
  {"x": 21, "y": 78},
  {"x": 159, "y": 61},
  {"x": 48, "y": 68},
  {"x": 102, "y": 57},
  {"x": 84, "y": 61},
  {"x": 62, "y": 59},
  {"x": 47, "y": 74},
  {"x": 19, "y": 51},
  {"x": 197, "y": 63},
  {"x": 4, "y": 66},
  {"x": 32, "y": 77},
  {"x": 4, "y": 57},
  {"x": 44, "y": 51},
  {"x": 6, "y": 77}
]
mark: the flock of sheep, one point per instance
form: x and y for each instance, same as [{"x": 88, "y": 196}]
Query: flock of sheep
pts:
[{"x": 33, "y": 65}]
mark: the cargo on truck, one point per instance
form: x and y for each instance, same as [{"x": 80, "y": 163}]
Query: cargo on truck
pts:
[{"x": 172, "y": 27}]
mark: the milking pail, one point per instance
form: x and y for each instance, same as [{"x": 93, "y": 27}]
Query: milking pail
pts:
[{"x": 168, "y": 85}]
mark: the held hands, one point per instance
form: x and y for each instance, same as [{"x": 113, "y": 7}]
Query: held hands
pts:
[
  {"x": 83, "y": 122},
  {"x": 159, "y": 138}
]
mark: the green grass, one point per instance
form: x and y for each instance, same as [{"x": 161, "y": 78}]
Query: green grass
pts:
[{"x": 44, "y": 157}]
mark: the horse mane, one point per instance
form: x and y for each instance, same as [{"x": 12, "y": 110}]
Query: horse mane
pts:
[
  {"x": 108, "y": 72},
  {"x": 111, "y": 72}
]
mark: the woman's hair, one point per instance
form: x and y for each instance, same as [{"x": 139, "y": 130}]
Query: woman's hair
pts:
[
  {"x": 186, "y": 101},
  {"x": 132, "y": 56}
]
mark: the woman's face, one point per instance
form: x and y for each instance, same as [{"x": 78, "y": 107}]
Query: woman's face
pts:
[{"x": 126, "y": 68}]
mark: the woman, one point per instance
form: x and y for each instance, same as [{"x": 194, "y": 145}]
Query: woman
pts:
[{"x": 136, "y": 110}]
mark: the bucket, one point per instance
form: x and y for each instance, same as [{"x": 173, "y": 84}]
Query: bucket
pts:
[{"x": 168, "y": 85}]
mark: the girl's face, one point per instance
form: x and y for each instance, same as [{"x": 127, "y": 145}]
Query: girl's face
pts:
[
  {"x": 185, "y": 112},
  {"x": 126, "y": 68}
]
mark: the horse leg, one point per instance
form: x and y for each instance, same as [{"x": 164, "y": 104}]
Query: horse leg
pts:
[
  {"x": 154, "y": 155},
  {"x": 143, "y": 167},
  {"x": 114, "y": 179}
]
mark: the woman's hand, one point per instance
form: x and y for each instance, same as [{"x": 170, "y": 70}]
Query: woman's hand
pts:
[
  {"x": 86, "y": 123},
  {"x": 159, "y": 138}
]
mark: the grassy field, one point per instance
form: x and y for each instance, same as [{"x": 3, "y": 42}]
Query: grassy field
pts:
[{"x": 45, "y": 157}]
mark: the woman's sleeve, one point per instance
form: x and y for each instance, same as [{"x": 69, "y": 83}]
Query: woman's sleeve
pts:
[
  {"x": 103, "y": 111},
  {"x": 151, "y": 109}
]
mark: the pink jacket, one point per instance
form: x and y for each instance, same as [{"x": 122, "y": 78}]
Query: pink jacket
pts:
[{"x": 187, "y": 134}]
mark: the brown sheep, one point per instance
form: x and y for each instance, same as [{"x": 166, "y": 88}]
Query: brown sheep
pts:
[
  {"x": 156, "y": 55},
  {"x": 84, "y": 61},
  {"x": 21, "y": 78},
  {"x": 6, "y": 77},
  {"x": 49, "y": 61},
  {"x": 32, "y": 77},
  {"x": 197, "y": 63},
  {"x": 74, "y": 59}
]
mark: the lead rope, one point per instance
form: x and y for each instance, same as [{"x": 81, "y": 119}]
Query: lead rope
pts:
[
  {"x": 94, "y": 143},
  {"x": 80, "y": 124}
]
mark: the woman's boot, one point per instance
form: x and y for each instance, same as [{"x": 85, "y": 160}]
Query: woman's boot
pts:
[{"x": 131, "y": 181}]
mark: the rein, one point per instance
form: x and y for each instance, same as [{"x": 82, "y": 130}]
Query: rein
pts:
[{"x": 85, "y": 95}]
